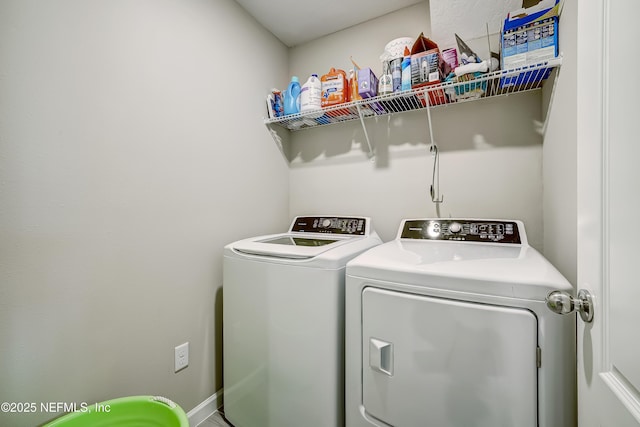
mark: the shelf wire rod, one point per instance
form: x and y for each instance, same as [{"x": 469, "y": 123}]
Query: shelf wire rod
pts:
[
  {"x": 545, "y": 124},
  {"x": 364, "y": 128}
]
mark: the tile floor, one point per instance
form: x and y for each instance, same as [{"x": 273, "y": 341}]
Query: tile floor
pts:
[{"x": 215, "y": 420}]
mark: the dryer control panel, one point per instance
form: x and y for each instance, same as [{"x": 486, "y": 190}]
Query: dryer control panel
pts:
[
  {"x": 468, "y": 230},
  {"x": 330, "y": 225}
]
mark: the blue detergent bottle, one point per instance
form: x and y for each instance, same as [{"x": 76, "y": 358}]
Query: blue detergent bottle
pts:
[
  {"x": 406, "y": 70},
  {"x": 292, "y": 97}
]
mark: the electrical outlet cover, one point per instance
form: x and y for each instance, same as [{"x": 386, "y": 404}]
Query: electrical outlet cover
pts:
[{"x": 181, "y": 356}]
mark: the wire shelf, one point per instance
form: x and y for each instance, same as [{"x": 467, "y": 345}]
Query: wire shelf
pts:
[{"x": 463, "y": 89}]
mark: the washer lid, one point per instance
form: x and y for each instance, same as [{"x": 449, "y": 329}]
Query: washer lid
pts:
[
  {"x": 310, "y": 236},
  {"x": 489, "y": 269},
  {"x": 290, "y": 245}
]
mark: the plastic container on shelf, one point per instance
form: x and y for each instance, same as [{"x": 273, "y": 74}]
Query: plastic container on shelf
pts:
[
  {"x": 292, "y": 97},
  {"x": 406, "y": 70},
  {"x": 274, "y": 104},
  {"x": 353, "y": 86},
  {"x": 335, "y": 88},
  {"x": 278, "y": 106},
  {"x": 311, "y": 97},
  {"x": 395, "y": 48},
  {"x": 385, "y": 84},
  {"x": 396, "y": 74}
]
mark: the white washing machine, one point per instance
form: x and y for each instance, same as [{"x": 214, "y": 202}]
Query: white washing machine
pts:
[
  {"x": 447, "y": 326},
  {"x": 283, "y": 322}
]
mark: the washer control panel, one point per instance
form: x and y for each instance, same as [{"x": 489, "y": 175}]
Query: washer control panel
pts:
[
  {"x": 468, "y": 230},
  {"x": 330, "y": 225}
]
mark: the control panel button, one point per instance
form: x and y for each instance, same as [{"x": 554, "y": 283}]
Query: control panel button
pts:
[{"x": 455, "y": 227}]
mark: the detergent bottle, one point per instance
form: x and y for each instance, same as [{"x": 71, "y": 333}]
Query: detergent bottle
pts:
[
  {"x": 354, "y": 95},
  {"x": 385, "y": 84},
  {"x": 335, "y": 87},
  {"x": 311, "y": 94},
  {"x": 406, "y": 70},
  {"x": 292, "y": 97}
]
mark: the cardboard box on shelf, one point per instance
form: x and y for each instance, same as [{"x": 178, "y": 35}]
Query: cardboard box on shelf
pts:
[
  {"x": 425, "y": 69},
  {"x": 428, "y": 68},
  {"x": 530, "y": 36},
  {"x": 367, "y": 83},
  {"x": 427, "y": 65}
]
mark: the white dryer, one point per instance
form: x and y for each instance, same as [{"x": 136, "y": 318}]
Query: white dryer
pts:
[
  {"x": 283, "y": 322},
  {"x": 447, "y": 326}
]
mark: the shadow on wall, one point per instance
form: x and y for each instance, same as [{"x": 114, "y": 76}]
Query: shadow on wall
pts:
[{"x": 489, "y": 123}]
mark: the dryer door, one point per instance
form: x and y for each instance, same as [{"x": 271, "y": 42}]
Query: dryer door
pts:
[{"x": 446, "y": 363}]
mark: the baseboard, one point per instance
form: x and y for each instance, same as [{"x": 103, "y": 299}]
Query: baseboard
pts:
[{"x": 205, "y": 409}]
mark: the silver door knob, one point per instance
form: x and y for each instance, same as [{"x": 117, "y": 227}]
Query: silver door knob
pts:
[{"x": 563, "y": 303}]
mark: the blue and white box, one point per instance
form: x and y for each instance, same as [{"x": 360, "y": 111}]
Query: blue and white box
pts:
[{"x": 530, "y": 36}]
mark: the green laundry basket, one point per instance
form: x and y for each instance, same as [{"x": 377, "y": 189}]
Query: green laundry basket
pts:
[{"x": 132, "y": 411}]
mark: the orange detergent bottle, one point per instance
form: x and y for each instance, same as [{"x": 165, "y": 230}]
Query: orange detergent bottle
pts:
[
  {"x": 335, "y": 88},
  {"x": 354, "y": 94}
]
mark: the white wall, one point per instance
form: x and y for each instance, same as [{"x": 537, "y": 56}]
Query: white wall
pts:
[
  {"x": 131, "y": 151},
  {"x": 491, "y": 157},
  {"x": 560, "y": 155}
]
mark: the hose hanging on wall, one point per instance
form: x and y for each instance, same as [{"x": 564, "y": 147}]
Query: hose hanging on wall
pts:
[{"x": 434, "y": 189}]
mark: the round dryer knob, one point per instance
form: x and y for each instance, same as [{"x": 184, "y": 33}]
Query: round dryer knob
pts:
[
  {"x": 455, "y": 227},
  {"x": 326, "y": 222}
]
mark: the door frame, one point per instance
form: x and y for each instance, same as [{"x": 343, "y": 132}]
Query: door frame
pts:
[{"x": 604, "y": 396}]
